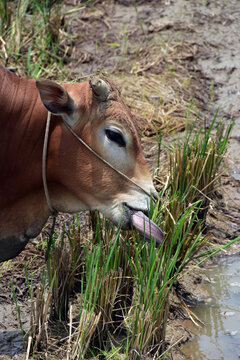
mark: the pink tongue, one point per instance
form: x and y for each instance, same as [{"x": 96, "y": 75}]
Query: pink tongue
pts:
[{"x": 146, "y": 227}]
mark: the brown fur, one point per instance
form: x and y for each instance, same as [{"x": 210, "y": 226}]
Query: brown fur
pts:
[{"x": 76, "y": 178}]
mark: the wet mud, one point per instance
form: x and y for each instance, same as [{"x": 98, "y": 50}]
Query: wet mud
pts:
[
  {"x": 109, "y": 38},
  {"x": 214, "y": 29},
  {"x": 11, "y": 343},
  {"x": 13, "y": 276}
]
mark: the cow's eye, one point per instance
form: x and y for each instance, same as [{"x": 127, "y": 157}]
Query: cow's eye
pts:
[{"x": 116, "y": 136}]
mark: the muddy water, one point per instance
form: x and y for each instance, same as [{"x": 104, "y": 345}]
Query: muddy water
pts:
[{"x": 220, "y": 337}]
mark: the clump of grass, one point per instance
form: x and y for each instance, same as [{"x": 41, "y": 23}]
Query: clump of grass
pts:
[
  {"x": 155, "y": 273},
  {"x": 30, "y": 35},
  {"x": 18, "y": 309},
  {"x": 123, "y": 284},
  {"x": 36, "y": 336},
  {"x": 5, "y": 15},
  {"x": 79, "y": 340},
  {"x": 100, "y": 282},
  {"x": 64, "y": 265},
  {"x": 122, "y": 290},
  {"x": 193, "y": 171},
  {"x": 39, "y": 314}
]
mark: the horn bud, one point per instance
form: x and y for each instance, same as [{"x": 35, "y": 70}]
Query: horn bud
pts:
[{"x": 100, "y": 88}]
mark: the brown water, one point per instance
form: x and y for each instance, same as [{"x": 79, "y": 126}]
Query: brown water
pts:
[{"x": 220, "y": 337}]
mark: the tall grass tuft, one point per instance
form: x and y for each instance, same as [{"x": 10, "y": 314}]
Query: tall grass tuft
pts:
[
  {"x": 64, "y": 265},
  {"x": 154, "y": 273},
  {"x": 194, "y": 168},
  {"x": 39, "y": 314},
  {"x": 5, "y": 16},
  {"x": 30, "y": 35},
  {"x": 122, "y": 290}
]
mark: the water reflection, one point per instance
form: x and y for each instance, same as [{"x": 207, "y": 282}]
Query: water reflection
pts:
[{"x": 220, "y": 338}]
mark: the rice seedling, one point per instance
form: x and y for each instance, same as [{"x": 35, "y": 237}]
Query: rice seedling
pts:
[
  {"x": 39, "y": 314},
  {"x": 80, "y": 339},
  {"x": 5, "y": 16},
  {"x": 18, "y": 309},
  {"x": 99, "y": 286},
  {"x": 155, "y": 273},
  {"x": 139, "y": 19},
  {"x": 35, "y": 336},
  {"x": 32, "y": 37},
  {"x": 64, "y": 265},
  {"x": 193, "y": 171},
  {"x": 122, "y": 292}
]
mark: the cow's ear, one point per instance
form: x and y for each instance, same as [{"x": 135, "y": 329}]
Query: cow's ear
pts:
[{"x": 55, "y": 98}]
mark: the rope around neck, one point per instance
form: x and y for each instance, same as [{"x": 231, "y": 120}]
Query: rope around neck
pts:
[
  {"x": 44, "y": 163},
  {"x": 44, "y": 178}
]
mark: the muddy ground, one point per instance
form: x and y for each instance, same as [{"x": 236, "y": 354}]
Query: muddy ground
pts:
[{"x": 193, "y": 46}]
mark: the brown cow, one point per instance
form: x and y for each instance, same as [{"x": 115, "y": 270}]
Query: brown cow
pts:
[{"x": 76, "y": 179}]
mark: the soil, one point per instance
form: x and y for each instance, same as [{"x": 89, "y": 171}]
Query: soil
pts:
[{"x": 196, "y": 40}]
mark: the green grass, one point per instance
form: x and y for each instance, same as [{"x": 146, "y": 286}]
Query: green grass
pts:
[
  {"x": 123, "y": 291},
  {"x": 194, "y": 171},
  {"x": 31, "y": 36}
]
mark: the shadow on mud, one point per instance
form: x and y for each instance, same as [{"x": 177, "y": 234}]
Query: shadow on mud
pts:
[{"x": 11, "y": 343}]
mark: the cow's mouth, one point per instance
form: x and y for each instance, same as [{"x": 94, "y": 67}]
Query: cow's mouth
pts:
[{"x": 146, "y": 227}]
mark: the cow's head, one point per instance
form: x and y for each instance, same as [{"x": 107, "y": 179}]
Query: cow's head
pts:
[{"x": 97, "y": 114}]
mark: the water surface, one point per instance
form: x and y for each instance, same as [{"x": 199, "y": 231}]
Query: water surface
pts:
[{"x": 220, "y": 337}]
